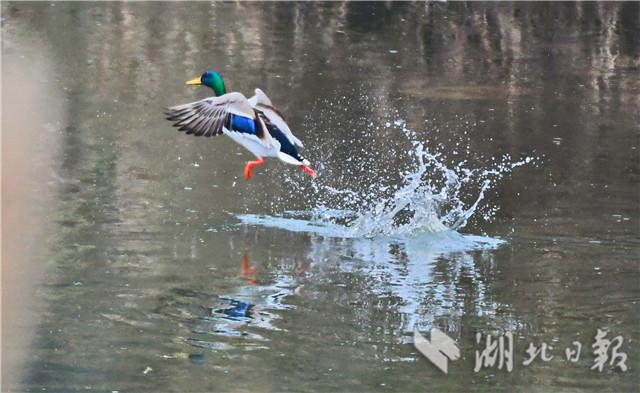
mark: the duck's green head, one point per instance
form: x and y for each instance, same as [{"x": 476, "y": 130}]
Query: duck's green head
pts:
[{"x": 210, "y": 79}]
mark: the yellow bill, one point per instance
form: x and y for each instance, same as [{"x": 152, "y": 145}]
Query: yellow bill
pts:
[{"x": 194, "y": 81}]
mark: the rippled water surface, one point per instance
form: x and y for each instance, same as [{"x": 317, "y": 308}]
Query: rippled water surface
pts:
[{"x": 478, "y": 173}]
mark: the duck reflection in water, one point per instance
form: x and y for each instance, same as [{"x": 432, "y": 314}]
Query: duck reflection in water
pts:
[
  {"x": 247, "y": 310},
  {"x": 239, "y": 308}
]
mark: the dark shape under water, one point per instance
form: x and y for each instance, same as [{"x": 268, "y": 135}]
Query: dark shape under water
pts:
[{"x": 197, "y": 358}]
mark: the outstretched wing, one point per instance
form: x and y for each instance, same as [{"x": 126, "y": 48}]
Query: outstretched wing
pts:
[
  {"x": 208, "y": 117},
  {"x": 261, "y": 102}
]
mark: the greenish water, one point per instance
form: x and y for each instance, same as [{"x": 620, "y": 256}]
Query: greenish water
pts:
[{"x": 136, "y": 258}]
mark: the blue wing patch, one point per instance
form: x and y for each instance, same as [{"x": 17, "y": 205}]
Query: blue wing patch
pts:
[{"x": 242, "y": 124}]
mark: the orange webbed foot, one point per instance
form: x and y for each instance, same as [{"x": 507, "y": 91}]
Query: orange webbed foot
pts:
[
  {"x": 308, "y": 170},
  {"x": 248, "y": 169}
]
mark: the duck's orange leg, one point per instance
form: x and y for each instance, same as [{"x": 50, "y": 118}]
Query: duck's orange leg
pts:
[
  {"x": 248, "y": 169},
  {"x": 309, "y": 171}
]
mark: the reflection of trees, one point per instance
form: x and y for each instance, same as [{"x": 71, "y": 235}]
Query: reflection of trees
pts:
[{"x": 504, "y": 51}]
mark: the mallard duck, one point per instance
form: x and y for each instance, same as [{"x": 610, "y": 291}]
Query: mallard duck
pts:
[{"x": 253, "y": 123}]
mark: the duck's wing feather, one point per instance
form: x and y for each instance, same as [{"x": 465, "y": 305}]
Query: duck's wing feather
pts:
[
  {"x": 208, "y": 117},
  {"x": 261, "y": 102}
]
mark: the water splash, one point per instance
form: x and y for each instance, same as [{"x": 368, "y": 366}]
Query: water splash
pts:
[
  {"x": 385, "y": 181},
  {"x": 430, "y": 198}
]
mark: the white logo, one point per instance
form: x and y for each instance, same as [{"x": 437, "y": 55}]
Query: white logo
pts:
[{"x": 438, "y": 349}]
